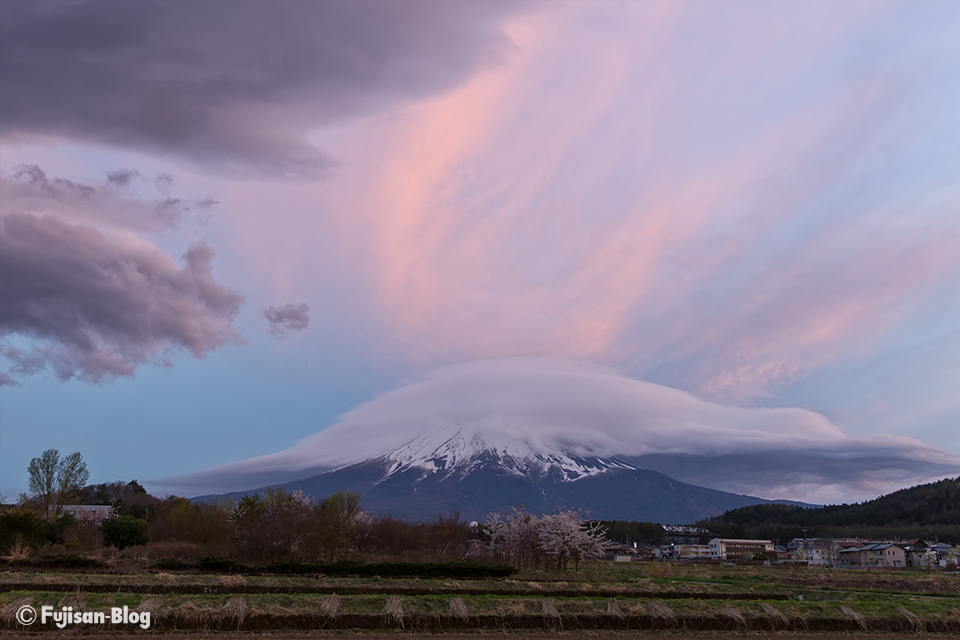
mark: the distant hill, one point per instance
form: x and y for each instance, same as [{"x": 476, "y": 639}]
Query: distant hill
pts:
[{"x": 905, "y": 513}]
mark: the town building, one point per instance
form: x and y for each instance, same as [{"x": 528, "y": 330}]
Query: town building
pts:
[{"x": 737, "y": 549}]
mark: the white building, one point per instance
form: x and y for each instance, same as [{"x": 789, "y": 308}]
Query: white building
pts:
[{"x": 737, "y": 549}]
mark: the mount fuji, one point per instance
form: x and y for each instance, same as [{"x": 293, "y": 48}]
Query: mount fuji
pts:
[
  {"x": 546, "y": 433},
  {"x": 458, "y": 469}
]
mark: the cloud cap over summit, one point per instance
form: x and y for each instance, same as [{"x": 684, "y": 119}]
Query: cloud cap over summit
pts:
[{"x": 558, "y": 405}]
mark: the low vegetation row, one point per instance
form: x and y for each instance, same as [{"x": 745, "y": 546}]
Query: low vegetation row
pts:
[
  {"x": 220, "y": 565},
  {"x": 333, "y": 611}
]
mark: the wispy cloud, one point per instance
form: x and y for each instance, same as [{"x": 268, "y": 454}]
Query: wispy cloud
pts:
[{"x": 690, "y": 217}]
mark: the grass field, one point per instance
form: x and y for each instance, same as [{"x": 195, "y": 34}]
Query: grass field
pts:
[{"x": 602, "y": 596}]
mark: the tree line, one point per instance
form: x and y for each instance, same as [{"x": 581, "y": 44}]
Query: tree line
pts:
[
  {"x": 276, "y": 526},
  {"x": 909, "y": 513}
]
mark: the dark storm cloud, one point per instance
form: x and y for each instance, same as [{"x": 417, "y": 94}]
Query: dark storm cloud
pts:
[
  {"x": 289, "y": 317},
  {"x": 236, "y": 84},
  {"x": 97, "y": 306}
]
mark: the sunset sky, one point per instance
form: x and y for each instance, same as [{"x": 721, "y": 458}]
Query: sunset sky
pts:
[{"x": 225, "y": 225}]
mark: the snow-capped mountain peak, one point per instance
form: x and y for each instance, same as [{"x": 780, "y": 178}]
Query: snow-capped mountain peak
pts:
[{"x": 454, "y": 451}]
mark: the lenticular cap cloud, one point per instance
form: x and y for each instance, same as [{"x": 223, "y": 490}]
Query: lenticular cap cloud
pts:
[{"x": 549, "y": 404}]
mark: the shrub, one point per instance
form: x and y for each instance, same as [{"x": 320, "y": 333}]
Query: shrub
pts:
[
  {"x": 125, "y": 531},
  {"x": 220, "y": 564},
  {"x": 171, "y": 564},
  {"x": 59, "y": 562},
  {"x": 63, "y": 528},
  {"x": 22, "y": 528}
]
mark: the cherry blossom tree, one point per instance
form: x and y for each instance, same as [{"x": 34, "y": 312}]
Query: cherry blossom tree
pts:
[
  {"x": 566, "y": 536},
  {"x": 524, "y": 539},
  {"x": 515, "y": 538}
]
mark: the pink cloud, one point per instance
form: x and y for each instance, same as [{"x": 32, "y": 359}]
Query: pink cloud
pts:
[{"x": 632, "y": 185}]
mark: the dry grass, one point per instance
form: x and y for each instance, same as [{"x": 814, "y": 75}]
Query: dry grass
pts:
[
  {"x": 8, "y": 613},
  {"x": 75, "y": 600},
  {"x": 614, "y": 609},
  {"x": 18, "y": 549},
  {"x": 911, "y": 616},
  {"x": 330, "y": 605},
  {"x": 459, "y": 608},
  {"x": 511, "y": 607},
  {"x": 730, "y": 611},
  {"x": 856, "y": 616},
  {"x": 236, "y": 608},
  {"x": 186, "y": 551},
  {"x": 151, "y": 604},
  {"x": 774, "y": 613},
  {"x": 393, "y": 610},
  {"x": 191, "y": 614},
  {"x": 872, "y": 580},
  {"x": 232, "y": 581},
  {"x": 662, "y": 611},
  {"x": 131, "y": 560},
  {"x": 549, "y": 608}
]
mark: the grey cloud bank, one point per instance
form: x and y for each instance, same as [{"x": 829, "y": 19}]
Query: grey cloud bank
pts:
[
  {"x": 548, "y": 405},
  {"x": 96, "y": 305},
  {"x": 231, "y": 85}
]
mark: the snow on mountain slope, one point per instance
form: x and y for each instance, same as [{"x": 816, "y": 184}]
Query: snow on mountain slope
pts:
[{"x": 456, "y": 451}]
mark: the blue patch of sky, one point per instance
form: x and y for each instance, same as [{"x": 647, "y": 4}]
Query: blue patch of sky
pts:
[{"x": 239, "y": 402}]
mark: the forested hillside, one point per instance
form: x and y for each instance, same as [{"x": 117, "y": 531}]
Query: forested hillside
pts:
[{"x": 927, "y": 508}]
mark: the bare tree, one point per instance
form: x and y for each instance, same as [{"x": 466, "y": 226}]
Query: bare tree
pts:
[
  {"x": 54, "y": 480},
  {"x": 43, "y": 477},
  {"x": 72, "y": 474}
]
